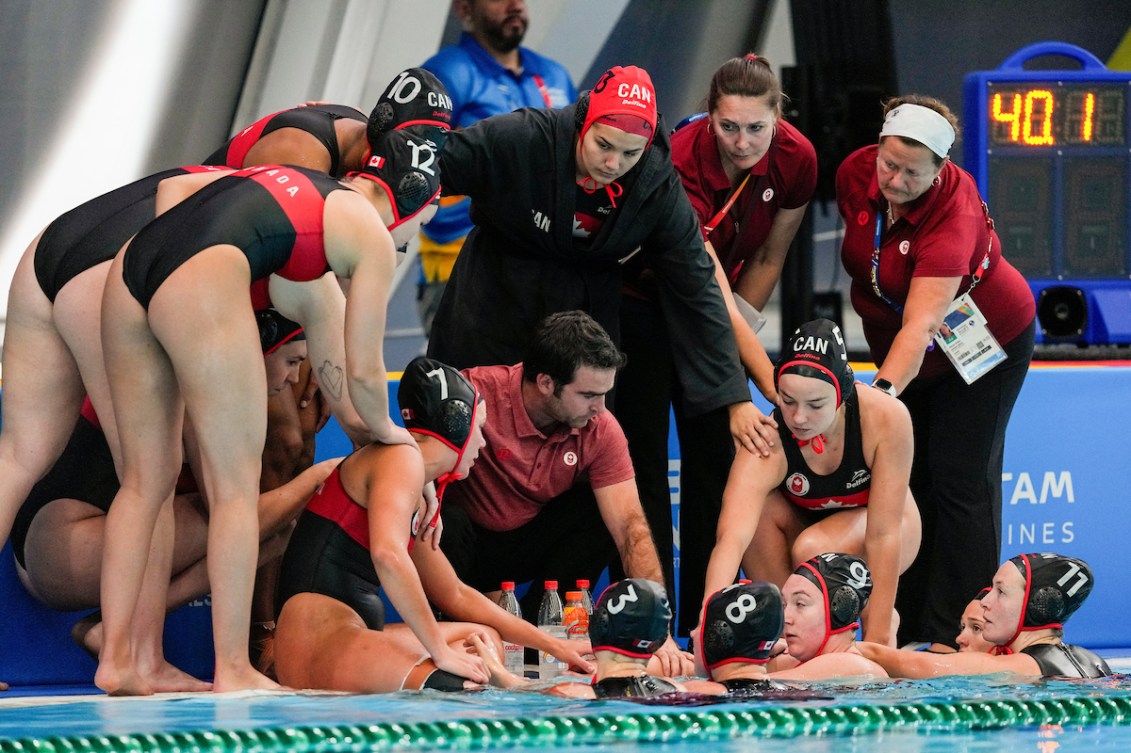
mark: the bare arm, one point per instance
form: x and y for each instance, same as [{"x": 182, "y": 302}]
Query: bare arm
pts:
[
  {"x": 458, "y": 600},
  {"x": 751, "y": 478},
  {"x": 319, "y": 306},
  {"x": 393, "y": 477},
  {"x": 750, "y": 351},
  {"x": 888, "y": 421},
  {"x": 624, "y": 517},
  {"x": 920, "y": 664},
  {"x": 761, "y": 272},
  {"x": 927, "y": 302}
]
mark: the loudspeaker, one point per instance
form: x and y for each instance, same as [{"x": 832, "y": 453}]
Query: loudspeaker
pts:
[{"x": 1062, "y": 312}]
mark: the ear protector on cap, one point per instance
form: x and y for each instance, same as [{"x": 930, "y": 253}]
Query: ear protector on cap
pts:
[
  {"x": 407, "y": 167},
  {"x": 817, "y": 350},
  {"x": 1055, "y": 587},
  {"x": 631, "y": 618},
  {"x": 845, "y": 582},
  {"x": 276, "y": 330},
  {"x": 741, "y": 624},
  {"x": 414, "y": 99}
]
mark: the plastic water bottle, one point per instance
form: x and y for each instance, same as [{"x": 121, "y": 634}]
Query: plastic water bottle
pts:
[
  {"x": 513, "y": 653},
  {"x": 586, "y": 595},
  {"x": 576, "y": 618},
  {"x": 552, "y": 621}
]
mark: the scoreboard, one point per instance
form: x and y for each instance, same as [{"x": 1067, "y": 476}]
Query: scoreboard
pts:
[{"x": 1051, "y": 154}]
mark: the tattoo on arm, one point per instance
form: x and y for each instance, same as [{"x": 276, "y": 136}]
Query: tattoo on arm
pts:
[{"x": 330, "y": 378}]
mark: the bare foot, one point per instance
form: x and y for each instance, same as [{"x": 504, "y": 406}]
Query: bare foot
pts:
[
  {"x": 121, "y": 679},
  {"x": 165, "y": 678},
  {"x": 87, "y": 633},
  {"x": 242, "y": 678}
]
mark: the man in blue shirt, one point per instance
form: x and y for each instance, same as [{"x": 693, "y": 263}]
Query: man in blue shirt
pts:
[{"x": 487, "y": 73}]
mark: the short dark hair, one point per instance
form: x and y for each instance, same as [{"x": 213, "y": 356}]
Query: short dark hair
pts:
[{"x": 566, "y": 341}]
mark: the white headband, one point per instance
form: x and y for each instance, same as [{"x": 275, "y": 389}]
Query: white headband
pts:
[{"x": 923, "y": 124}]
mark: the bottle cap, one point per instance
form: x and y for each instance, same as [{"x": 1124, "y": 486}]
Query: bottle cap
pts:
[
  {"x": 551, "y": 585},
  {"x": 582, "y": 583},
  {"x": 508, "y": 585},
  {"x": 573, "y": 596}
]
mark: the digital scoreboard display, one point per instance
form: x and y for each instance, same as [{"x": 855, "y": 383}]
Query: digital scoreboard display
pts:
[
  {"x": 1053, "y": 113},
  {"x": 1051, "y": 152}
]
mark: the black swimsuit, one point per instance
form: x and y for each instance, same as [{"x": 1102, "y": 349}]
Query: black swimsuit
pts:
[
  {"x": 1067, "y": 660},
  {"x": 633, "y": 687},
  {"x": 317, "y": 120},
  {"x": 847, "y": 486}
]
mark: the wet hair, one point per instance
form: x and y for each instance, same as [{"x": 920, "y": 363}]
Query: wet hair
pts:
[
  {"x": 747, "y": 76},
  {"x": 930, "y": 103},
  {"x": 565, "y": 342}
]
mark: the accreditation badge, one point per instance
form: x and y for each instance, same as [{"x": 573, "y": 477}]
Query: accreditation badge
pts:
[{"x": 967, "y": 341}]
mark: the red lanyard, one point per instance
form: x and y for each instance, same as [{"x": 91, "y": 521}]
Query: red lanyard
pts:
[
  {"x": 543, "y": 90},
  {"x": 710, "y": 226}
]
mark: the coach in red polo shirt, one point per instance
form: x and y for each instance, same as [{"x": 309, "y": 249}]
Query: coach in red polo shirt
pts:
[{"x": 553, "y": 495}]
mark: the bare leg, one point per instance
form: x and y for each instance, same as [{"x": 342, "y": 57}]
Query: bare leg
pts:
[
  {"x": 144, "y": 387},
  {"x": 221, "y": 375},
  {"x": 42, "y": 392},
  {"x": 322, "y": 643},
  {"x": 770, "y": 554}
]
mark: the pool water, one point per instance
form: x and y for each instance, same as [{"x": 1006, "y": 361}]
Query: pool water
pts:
[{"x": 948, "y": 714}]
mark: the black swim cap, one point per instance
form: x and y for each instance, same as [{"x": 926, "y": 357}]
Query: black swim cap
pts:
[
  {"x": 415, "y": 99},
  {"x": 1055, "y": 587},
  {"x": 631, "y": 618},
  {"x": 846, "y": 584},
  {"x": 276, "y": 330},
  {"x": 741, "y": 624},
  {"x": 817, "y": 350},
  {"x": 407, "y": 166},
  {"x": 437, "y": 400}
]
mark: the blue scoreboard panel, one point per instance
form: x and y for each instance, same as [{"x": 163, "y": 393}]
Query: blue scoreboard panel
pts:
[{"x": 1051, "y": 154}]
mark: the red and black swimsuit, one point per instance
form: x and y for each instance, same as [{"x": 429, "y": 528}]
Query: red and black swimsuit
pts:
[
  {"x": 845, "y": 487},
  {"x": 329, "y": 554}
]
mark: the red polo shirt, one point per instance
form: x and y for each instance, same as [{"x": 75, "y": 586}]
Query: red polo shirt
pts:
[
  {"x": 943, "y": 233},
  {"x": 521, "y": 469},
  {"x": 785, "y": 178}
]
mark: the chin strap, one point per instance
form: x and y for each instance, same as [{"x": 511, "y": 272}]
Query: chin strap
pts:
[{"x": 817, "y": 443}]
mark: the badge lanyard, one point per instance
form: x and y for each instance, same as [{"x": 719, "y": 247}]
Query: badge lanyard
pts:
[
  {"x": 975, "y": 278},
  {"x": 968, "y": 344},
  {"x": 543, "y": 90}
]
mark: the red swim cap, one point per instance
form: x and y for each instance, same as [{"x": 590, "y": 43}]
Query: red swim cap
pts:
[{"x": 624, "y": 98}]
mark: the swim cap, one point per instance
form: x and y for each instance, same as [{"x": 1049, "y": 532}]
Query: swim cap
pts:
[
  {"x": 741, "y": 624},
  {"x": 624, "y": 98},
  {"x": 920, "y": 124},
  {"x": 1055, "y": 587},
  {"x": 631, "y": 618},
  {"x": 817, "y": 350},
  {"x": 276, "y": 330},
  {"x": 845, "y": 583},
  {"x": 437, "y": 400},
  {"x": 415, "y": 100},
  {"x": 407, "y": 167}
]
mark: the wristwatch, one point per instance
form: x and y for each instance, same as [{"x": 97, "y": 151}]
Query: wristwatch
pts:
[{"x": 885, "y": 385}]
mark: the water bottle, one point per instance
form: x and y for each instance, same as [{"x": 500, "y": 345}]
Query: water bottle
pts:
[
  {"x": 513, "y": 653},
  {"x": 552, "y": 621},
  {"x": 586, "y": 595},
  {"x": 576, "y": 618}
]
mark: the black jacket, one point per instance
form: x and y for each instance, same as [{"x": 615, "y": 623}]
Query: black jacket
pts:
[{"x": 521, "y": 262}]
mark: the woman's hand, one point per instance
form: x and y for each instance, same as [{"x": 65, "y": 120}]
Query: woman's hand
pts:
[{"x": 751, "y": 429}]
